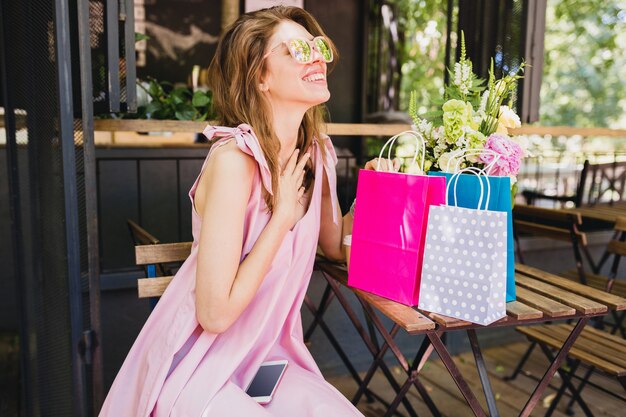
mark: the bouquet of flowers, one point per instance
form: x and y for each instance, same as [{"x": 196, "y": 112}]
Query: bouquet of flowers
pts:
[{"x": 474, "y": 119}]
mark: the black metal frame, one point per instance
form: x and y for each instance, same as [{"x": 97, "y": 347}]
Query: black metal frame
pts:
[
  {"x": 16, "y": 217},
  {"x": 66, "y": 130},
  {"x": 93, "y": 355},
  {"x": 128, "y": 17},
  {"x": 113, "y": 54}
]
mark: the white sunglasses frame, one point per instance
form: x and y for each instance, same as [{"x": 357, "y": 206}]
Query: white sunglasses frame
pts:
[{"x": 311, "y": 44}]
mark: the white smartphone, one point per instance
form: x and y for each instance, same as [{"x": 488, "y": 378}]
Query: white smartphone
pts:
[{"x": 267, "y": 378}]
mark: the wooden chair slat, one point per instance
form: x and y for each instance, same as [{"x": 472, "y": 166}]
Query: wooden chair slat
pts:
[
  {"x": 535, "y": 333},
  {"x": 581, "y": 304},
  {"x": 599, "y": 282},
  {"x": 141, "y": 235},
  {"x": 551, "y": 232},
  {"x": 590, "y": 344},
  {"x": 617, "y": 247},
  {"x": 411, "y": 320},
  {"x": 605, "y": 213},
  {"x": 521, "y": 311},
  {"x": 620, "y": 223},
  {"x": 615, "y": 342},
  {"x": 152, "y": 287},
  {"x": 613, "y": 301},
  {"x": 561, "y": 216},
  {"x": 162, "y": 253},
  {"x": 547, "y": 305}
]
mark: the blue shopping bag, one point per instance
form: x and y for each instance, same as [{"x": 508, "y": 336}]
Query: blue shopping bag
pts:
[{"x": 468, "y": 193}]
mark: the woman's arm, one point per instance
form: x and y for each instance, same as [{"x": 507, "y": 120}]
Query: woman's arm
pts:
[
  {"x": 224, "y": 287},
  {"x": 331, "y": 234}
]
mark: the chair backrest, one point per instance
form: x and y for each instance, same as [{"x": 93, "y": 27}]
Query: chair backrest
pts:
[
  {"x": 552, "y": 224},
  {"x": 140, "y": 235},
  {"x": 606, "y": 182},
  {"x": 162, "y": 253},
  {"x": 617, "y": 248},
  {"x": 156, "y": 255}
]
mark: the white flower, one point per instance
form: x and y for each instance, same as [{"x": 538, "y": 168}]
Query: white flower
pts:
[
  {"x": 447, "y": 162},
  {"x": 500, "y": 88},
  {"x": 462, "y": 77},
  {"x": 483, "y": 102},
  {"x": 508, "y": 118}
]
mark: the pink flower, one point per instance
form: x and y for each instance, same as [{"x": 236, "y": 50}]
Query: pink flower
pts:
[{"x": 510, "y": 153}]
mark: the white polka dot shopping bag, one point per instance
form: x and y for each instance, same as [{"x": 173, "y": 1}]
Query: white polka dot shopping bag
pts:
[{"x": 465, "y": 259}]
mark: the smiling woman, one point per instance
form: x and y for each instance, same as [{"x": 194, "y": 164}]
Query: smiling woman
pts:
[{"x": 264, "y": 200}]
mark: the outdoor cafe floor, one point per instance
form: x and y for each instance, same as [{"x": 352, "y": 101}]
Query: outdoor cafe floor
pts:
[
  {"x": 500, "y": 360},
  {"x": 510, "y": 395}
]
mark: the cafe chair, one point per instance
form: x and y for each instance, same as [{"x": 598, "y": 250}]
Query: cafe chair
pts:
[
  {"x": 157, "y": 259},
  {"x": 597, "y": 183},
  {"x": 552, "y": 224},
  {"x": 597, "y": 349}
]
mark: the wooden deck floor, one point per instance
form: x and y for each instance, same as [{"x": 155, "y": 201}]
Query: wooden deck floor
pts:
[{"x": 510, "y": 395}]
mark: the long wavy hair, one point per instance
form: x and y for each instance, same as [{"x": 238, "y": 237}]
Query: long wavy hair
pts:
[{"x": 236, "y": 71}]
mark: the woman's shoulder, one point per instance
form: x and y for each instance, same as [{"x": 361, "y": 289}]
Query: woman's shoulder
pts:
[{"x": 229, "y": 159}]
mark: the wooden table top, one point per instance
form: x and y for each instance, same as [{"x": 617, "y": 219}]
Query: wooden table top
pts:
[
  {"x": 541, "y": 296},
  {"x": 604, "y": 212}
]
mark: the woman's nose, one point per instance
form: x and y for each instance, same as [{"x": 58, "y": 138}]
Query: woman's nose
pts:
[{"x": 316, "y": 55}]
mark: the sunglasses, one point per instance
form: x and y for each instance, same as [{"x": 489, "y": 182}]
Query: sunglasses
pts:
[{"x": 301, "y": 49}]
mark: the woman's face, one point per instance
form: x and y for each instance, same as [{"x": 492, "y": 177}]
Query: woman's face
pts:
[{"x": 287, "y": 82}]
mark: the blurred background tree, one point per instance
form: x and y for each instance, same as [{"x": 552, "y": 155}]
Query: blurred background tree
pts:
[
  {"x": 585, "y": 64},
  {"x": 422, "y": 56},
  {"x": 584, "y": 68}
]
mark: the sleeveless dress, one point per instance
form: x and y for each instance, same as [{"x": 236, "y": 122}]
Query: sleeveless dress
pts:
[{"x": 177, "y": 369}]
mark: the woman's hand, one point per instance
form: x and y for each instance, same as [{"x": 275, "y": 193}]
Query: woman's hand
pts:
[
  {"x": 290, "y": 189},
  {"x": 385, "y": 164}
]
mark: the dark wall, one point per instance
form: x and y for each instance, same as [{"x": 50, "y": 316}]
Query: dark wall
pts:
[
  {"x": 342, "y": 22},
  {"x": 8, "y": 306},
  {"x": 185, "y": 32}
]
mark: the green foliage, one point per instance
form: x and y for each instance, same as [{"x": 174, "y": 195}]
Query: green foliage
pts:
[
  {"x": 585, "y": 64},
  {"x": 169, "y": 102},
  {"x": 422, "y": 53},
  {"x": 141, "y": 37}
]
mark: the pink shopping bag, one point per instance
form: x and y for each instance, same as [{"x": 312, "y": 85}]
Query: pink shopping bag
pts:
[{"x": 390, "y": 220}]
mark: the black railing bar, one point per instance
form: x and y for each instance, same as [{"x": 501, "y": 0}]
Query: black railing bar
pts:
[
  {"x": 178, "y": 202},
  {"x": 139, "y": 208}
]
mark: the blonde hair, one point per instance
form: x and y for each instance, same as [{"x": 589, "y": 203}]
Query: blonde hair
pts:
[{"x": 235, "y": 74}]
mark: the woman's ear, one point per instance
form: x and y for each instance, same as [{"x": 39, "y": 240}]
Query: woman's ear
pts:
[{"x": 263, "y": 87}]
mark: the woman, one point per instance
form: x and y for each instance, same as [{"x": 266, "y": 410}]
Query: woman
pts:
[{"x": 263, "y": 201}]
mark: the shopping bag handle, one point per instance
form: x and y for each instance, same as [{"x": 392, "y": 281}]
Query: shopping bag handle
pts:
[
  {"x": 418, "y": 138},
  {"x": 461, "y": 153},
  {"x": 479, "y": 173}
]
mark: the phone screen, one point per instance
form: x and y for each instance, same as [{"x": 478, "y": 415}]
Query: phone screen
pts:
[{"x": 265, "y": 379}]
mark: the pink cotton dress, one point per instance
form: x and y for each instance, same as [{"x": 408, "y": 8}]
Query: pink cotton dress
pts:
[{"x": 177, "y": 369}]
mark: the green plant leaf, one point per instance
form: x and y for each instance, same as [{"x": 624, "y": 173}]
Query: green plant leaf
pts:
[
  {"x": 185, "y": 111},
  {"x": 141, "y": 37},
  {"x": 202, "y": 117},
  {"x": 200, "y": 99},
  {"x": 155, "y": 90}
]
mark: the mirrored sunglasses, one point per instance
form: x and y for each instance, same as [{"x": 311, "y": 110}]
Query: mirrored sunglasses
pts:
[{"x": 301, "y": 49}]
